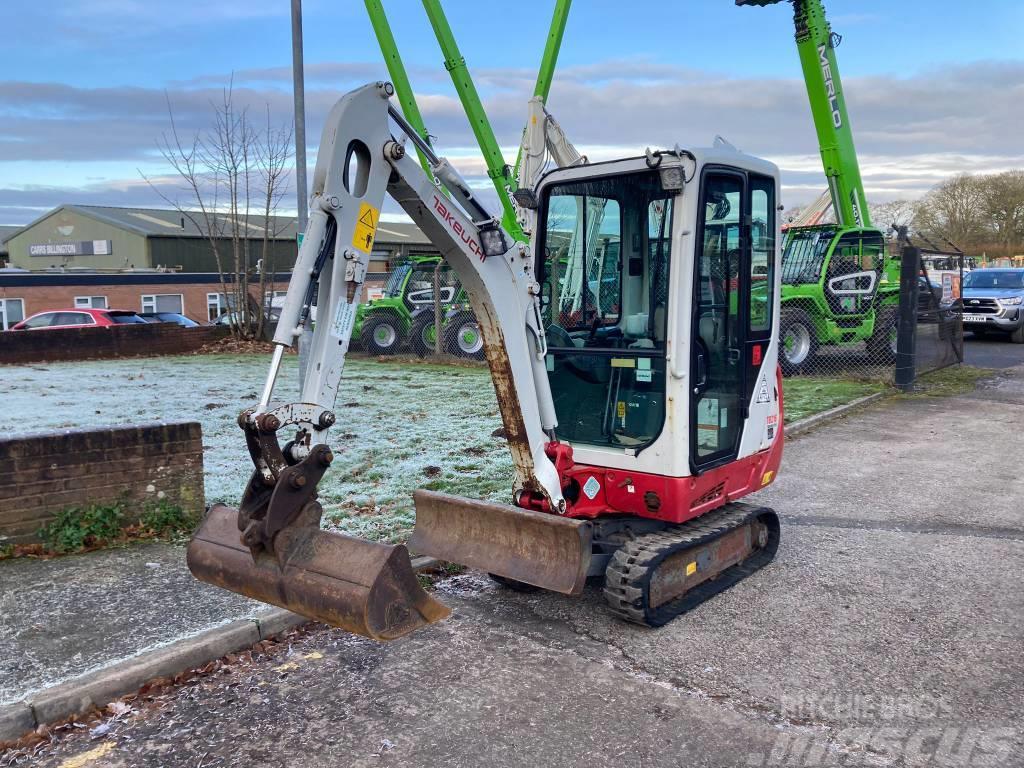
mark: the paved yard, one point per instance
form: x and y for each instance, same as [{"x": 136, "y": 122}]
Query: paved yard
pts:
[{"x": 887, "y": 632}]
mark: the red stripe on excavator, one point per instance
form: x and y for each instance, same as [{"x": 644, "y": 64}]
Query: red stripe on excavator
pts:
[{"x": 672, "y": 499}]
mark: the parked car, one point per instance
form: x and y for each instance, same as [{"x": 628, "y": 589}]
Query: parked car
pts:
[
  {"x": 168, "y": 317},
  {"x": 78, "y": 318},
  {"x": 994, "y": 302}
]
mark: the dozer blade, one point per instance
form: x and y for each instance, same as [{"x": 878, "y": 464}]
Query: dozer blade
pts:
[
  {"x": 361, "y": 586},
  {"x": 536, "y": 548}
]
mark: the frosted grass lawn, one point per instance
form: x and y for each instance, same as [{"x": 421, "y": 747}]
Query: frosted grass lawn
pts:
[{"x": 400, "y": 426}]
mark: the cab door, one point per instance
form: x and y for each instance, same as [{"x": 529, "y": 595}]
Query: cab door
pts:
[{"x": 718, "y": 404}]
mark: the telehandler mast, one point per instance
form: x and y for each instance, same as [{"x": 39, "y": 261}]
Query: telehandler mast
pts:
[
  {"x": 635, "y": 425},
  {"x": 838, "y": 286}
]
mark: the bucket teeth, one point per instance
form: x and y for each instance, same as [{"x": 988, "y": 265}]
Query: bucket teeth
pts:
[
  {"x": 361, "y": 586},
  {"x": 536, "y": 548}
]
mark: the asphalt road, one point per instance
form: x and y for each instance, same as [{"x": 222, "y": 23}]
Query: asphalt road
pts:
[
  {"x": 887, "y": 632},
  {"x": 992, "y": 351}
]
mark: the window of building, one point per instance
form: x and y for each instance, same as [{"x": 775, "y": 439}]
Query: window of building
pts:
[
  {"x": 90, "y": 302},
  {"x": 216, "y": 305},
  {"x": 164, "y": 302},
  {"x": 11, "y": 311}
]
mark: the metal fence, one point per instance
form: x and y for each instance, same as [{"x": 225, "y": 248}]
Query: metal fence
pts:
[
  {"x": 868, "y": 321},
  {"x": 423, "y": 311}
]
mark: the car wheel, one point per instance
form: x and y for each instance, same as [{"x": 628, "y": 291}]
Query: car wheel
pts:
[
  {"x": 1017, "y": 337},
  {"x": 883, "y": 341},
  {"x": 798, "y": 343},
  {"x": 423, "y": 334},
  {"x": 463, "y": 338},
  {"x": 381, "y": 334}
]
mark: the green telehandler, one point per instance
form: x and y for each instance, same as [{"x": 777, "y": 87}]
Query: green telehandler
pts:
[{"x": 839, "y": 287}]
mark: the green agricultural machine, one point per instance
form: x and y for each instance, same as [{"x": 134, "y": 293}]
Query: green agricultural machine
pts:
[
  {"x": 383, "y": 325},
  {"x": 839, "y": 287}
]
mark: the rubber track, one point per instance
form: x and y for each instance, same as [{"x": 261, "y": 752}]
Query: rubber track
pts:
[{"x": 628, "y": 576}]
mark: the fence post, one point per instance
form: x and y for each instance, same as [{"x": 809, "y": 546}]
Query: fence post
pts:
[
  {"x": 437, "y": 309},
  {"x": 906, "y": 334}
]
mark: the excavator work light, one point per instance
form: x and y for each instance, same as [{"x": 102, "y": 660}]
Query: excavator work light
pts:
[
  {"x": 673, "y": 178},
  {"x": 492, "y": 240}
]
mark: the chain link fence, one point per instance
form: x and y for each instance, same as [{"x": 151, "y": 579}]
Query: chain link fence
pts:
[
  {"x": 846, "y": 326},
  {"x": 423, "y": 311},
  {"x": 860, "y": 314}
]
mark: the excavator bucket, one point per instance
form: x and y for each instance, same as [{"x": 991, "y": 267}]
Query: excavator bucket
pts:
[
  {"x": 361, "y": 586},
  {"x": 536, "y": 548}
]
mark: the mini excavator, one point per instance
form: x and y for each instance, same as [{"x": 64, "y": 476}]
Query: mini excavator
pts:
[{"x": 635, "y": 364}]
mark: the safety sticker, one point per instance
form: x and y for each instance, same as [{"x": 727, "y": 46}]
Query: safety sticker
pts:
[
  {"x": 763, "y": 395},
  {"x": 591, "y": 487},
  {"x": 344, "y": 319},
  {"x": 643, "y": 370},
  {"x": 691, "y": 568},
  {"x": 366, "y": 226},
  {"x": 620, "y": 409}
]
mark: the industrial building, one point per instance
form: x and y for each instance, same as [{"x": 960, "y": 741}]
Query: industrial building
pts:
[{"x": 156, "y": 260}]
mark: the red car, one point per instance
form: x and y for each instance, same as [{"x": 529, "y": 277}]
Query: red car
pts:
[{"x": 78, "y": 318}]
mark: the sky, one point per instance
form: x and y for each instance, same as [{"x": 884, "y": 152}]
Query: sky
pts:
[{"x": 933, "y": 87}]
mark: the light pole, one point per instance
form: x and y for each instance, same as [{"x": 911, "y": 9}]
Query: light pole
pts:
[{"x": 301, "y": 190}]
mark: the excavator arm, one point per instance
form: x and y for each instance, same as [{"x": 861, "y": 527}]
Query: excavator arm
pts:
[{"x": 272, "y": 547}]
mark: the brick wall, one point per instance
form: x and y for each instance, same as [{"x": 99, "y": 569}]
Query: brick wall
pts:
[
  {"x": 135, "y": 340},
  {"x": 43, "y": 474},
  {"x": 41, "y": 298}
]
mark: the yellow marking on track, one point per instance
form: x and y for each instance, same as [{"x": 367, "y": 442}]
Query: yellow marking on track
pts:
[
  {"x": 78, "y": 761},
  {"x": 767, "y": 478}
]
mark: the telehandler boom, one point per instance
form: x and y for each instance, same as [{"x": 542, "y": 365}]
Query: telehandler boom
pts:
[
  {"x": 636, "y": 416},
  {"x": 838, "y": 285}
]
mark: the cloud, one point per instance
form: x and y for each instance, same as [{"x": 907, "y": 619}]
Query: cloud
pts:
[{"x": 910, "y": 131}]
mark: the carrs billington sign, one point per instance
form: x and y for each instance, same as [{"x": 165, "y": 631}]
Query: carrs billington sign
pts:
[{"x": 79, "y": 248}]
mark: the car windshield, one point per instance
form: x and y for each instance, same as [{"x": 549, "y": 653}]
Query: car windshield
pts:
[
  {"x": 393, "y": 287},
  {"x": 126, "y": 318},
  {"x": 994, "y": 278}
]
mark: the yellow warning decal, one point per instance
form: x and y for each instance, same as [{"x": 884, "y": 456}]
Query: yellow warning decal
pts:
[
  {"x": 691, "y": 569},
  {"x": 366, "y": 226},
  {"x": 623, "y": 362},
  {"x": 620, "y": 409},
  {"x": 767, "y": 478}
]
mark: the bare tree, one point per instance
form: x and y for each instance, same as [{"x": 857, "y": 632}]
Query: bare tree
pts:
[
  {"x": 235, "y": 176},
  {"x": 895, "y": 213},
  {"x": 1004, "y": 206},
  {"x": 955, "y": 209}
]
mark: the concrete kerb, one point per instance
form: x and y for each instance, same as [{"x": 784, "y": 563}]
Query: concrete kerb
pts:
[{"x": 103, "y": 686}]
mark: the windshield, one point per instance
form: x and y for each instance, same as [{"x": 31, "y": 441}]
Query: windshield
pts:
[
  {"x": 805, "y": 254},
  {"x": 393, "y": 287},
  {"x": 604, "y": 295},
  {"x": 994, "y": 278}
]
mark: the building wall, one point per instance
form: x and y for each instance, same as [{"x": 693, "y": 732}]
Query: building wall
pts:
[
  {"x": 65, "y": 226},
  {"x": 105, "y": 343},
  {"x": 40, "y": 298},
  {"x": 196, "y": 255}
]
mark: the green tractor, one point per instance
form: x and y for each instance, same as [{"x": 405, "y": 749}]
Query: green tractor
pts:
[{"x": 384, "y": 325}]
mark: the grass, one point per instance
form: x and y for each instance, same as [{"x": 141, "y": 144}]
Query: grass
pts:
[
  {"x": 948, "y": 382},
  {"x": 806, "y": 396},
  {"x": 96, "y": 526}
]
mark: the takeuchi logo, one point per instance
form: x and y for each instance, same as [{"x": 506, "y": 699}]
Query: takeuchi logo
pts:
[{"x": 456, "y": 226}]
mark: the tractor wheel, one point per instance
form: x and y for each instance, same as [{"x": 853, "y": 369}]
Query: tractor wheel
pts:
[
  {"x": 381, "y": 334},
  {"x": 882, "y": 344},
  {"x": 798, "y": 342},
  {"x": 423, "y": 334},
  {"x": 462, "y": 338}
]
